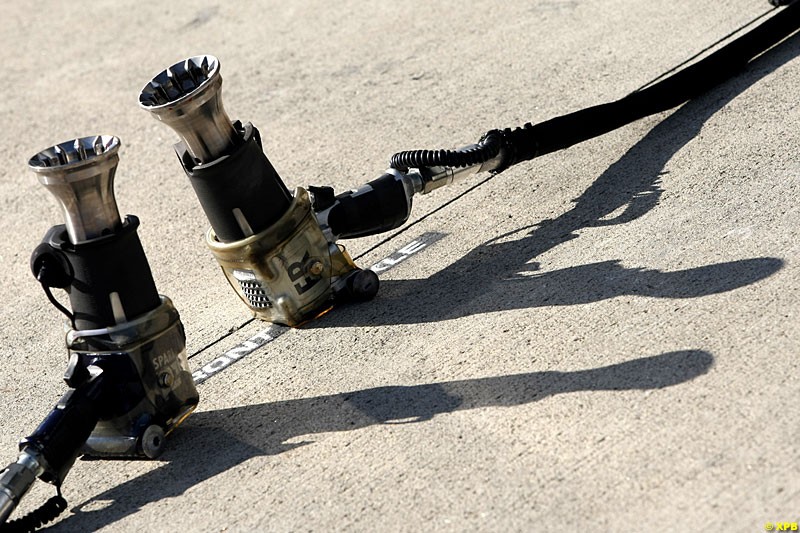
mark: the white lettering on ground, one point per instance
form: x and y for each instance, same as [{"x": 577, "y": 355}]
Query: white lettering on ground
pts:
[
  {"x": 406, "y": 251},
  {"x": 237, "y": 352},
  {"x": 245, "y": 348}
]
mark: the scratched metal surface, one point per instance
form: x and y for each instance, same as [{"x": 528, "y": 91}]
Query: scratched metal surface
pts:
[{"x": 604, "y": 338}]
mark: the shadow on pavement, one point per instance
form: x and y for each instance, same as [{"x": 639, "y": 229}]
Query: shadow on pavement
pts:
[
  {"x": 212, "y": 442},
  {"x": 488, "y": 278}
]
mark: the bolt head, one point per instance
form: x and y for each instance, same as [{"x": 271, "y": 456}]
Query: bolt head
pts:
[
  {"x": 315, "y": 267},
  {"x": 166, "y": 380}
]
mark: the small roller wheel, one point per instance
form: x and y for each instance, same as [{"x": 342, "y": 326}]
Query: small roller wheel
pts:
[
  {"x": 363, "y": 285},
  {"x": 152, "y": 441}
]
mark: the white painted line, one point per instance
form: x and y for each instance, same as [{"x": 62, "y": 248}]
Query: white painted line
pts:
[
  {"x": 239, "y": 351},
  {"x": 243, "y": 349},
  {"x": 412, "y": 248}
]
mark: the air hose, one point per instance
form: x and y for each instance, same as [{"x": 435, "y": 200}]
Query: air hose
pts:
[
  {"x": 32, "y": 521},
  {"x": 530, "y": 141},
  {"x": 487, "y": 148}
]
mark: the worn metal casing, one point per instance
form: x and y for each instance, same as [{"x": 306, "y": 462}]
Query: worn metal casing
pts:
[
  {"x": 147, "y": 357},
  {"x": 287, "y": 273}
]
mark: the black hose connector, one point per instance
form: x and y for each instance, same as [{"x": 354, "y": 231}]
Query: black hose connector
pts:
[{"x": 380, "y": 205}]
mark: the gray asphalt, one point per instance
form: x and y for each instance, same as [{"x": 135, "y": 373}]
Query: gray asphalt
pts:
[{"x": 604, "y": 338}]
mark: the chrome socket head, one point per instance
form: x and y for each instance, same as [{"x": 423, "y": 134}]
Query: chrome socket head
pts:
[
  {"x": 80, "y": 174},
  {"x": 187, "y": 97}
]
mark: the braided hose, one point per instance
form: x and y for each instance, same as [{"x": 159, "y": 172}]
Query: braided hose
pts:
[
  {"x": 32, "y": 521},
  {"x": 487, "y": 148}
]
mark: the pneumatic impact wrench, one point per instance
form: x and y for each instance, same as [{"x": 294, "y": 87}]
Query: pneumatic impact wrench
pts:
[
  {"x": 128, "y": 374},
  {"x": 277, "y": 248}
]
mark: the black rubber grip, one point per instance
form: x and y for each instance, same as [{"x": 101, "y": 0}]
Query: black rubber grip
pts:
[
  {"x": 61, "y": 435},
  {"x": 113, "y": 263},
  {"x": 244, "y": 180},
  {"x": 378, "y": 206}
]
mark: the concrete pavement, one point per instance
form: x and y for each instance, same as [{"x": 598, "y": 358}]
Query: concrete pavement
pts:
[{"x": 604, "y": 338}]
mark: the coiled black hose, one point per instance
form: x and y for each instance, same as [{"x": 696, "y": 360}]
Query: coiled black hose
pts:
[
  {"x": 529, "y": 141},
  {"x": 32, "y": 521},
  {"x": 487, "y": 148}
]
